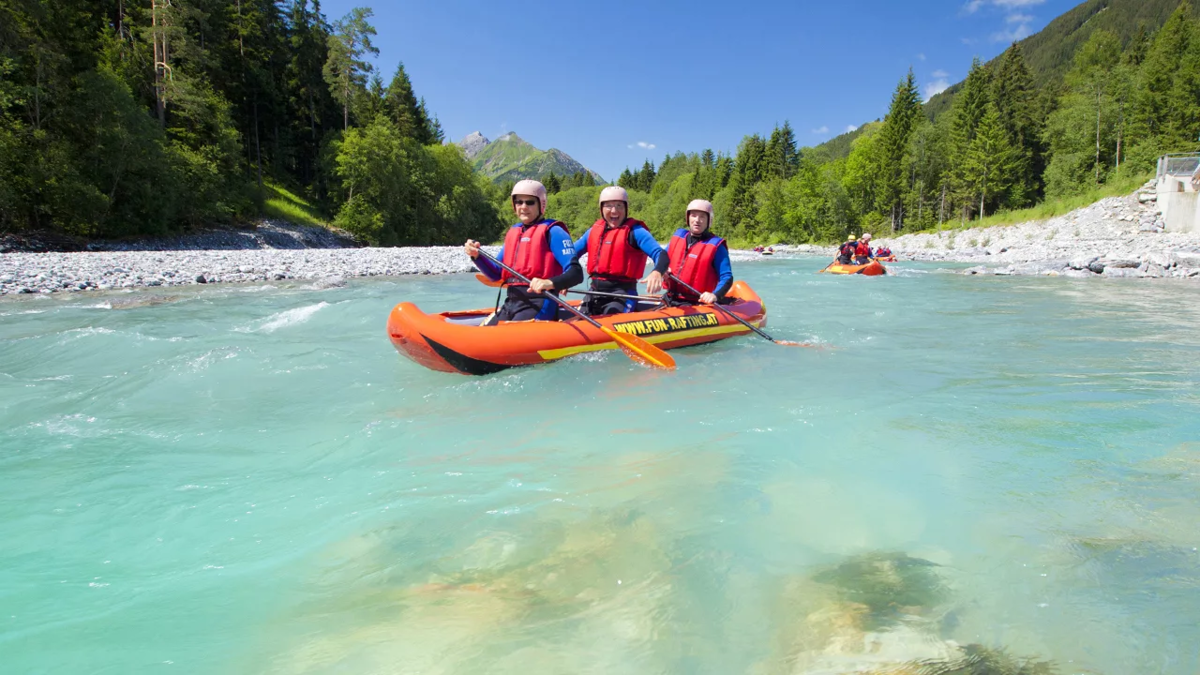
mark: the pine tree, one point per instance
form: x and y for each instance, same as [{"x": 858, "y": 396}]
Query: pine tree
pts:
[
  {"x": 1166, "y": 115},
  {"x": 403, "y": 108},
  {"x": 626, "y": 179},
  {"x": 1014, "y": 94},
  {"x": 898, "y": 126},
  {"x": 707, "y": 158},
  {"x": 992, "y": 162},
  {"x": 345, "y": 71},
  {"x": 969, "y": 108}
]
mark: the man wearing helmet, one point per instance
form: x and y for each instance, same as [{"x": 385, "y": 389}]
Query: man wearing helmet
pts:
[
  {"x": 846, "y": 251},
  {"x": 540, "y": 249},
  {"x": 617, "y": 248},
  {"x": 862, "y": 252},
  {"x": 699, "y": 258}
]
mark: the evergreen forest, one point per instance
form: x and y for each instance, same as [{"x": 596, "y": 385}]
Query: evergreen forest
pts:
[
  {"x": 1004, "y": 142},
  {"x": 141, "y": 117}
]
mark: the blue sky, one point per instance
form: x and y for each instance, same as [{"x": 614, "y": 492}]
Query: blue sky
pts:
[{"x": 615, "y": 83}]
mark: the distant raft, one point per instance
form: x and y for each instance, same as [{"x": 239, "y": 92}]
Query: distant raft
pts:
[
  {"x": 455, "y": 342},
  {"x": 886, "y": 258},
  {"x": 871, "y": 269}
]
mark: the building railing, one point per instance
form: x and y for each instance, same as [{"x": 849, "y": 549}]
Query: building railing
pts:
[{"x": 1178, "y": 165}]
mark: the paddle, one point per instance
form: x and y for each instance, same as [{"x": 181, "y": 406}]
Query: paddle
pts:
[
  {"x": 747, "y": 324},
  {"x": 634, "y": 347}
]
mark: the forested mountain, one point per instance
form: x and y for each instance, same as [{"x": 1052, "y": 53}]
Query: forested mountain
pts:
[
  {"x": 121, "y": 118},
  {"x": 511, "y": 158},
  {"x": 1048, "y": 53},
  {"x": 1005, "y": 143}
]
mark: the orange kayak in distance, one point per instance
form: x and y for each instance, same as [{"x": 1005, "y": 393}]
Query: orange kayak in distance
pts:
[
  {"x": 455, "y": 342},
  {"x": 871, "y": 269}
]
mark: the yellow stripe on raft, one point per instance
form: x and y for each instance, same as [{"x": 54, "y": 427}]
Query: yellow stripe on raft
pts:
[{"x": 551, "y": 354}]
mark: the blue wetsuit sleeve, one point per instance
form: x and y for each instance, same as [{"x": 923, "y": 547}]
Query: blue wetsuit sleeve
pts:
[
  {"x": 490, "y": 269},
  {"x": 562, "y": 246},
  {"x": 564, "y": 252},
  {"x": 724, "y": 272},
  {"x": 650, "y": 246},
  {"x": 581, "y": 245}
]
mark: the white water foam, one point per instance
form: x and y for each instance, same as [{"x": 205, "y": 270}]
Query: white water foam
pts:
[{"x": 291, "y": 317}]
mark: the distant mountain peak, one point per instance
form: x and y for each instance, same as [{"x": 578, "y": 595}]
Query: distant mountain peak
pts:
[
  {"x": 510, "y": 158},
  {"x": 473, "y": 144}
]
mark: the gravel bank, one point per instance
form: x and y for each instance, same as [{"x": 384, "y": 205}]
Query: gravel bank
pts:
[
  {"x": 1115, "y": 237},
  {"x": 104, "y": 270}
]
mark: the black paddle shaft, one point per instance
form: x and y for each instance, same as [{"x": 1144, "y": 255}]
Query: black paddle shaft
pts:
[
  {"x": 728, "y": 313},
  {"x": 562, "y": 303}
]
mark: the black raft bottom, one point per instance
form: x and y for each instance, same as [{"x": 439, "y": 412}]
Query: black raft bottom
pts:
[{"x": 464, "y": 363}]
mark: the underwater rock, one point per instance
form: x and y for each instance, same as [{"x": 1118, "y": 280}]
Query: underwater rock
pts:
[{"x": 888, "y": 585}]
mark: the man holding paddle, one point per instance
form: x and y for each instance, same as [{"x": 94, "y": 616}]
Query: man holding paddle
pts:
[
  {"x": 699, "y": 259},
  {"x": 617, "y": 248},
  {"x": 539, "y": 249}
]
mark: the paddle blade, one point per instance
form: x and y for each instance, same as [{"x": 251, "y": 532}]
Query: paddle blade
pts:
[
  {"x": 641, "y": 351},
  {"x": 483, "y": 279}
]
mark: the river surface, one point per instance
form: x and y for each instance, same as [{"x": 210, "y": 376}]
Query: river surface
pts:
[{"x": 251, "y": 480}]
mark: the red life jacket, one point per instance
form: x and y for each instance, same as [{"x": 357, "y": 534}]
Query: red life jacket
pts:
[
  {"x": 693, "y": 266},
  {"x": 527, "y": 250},
  {"x": 863, "y": 250},
  {"x": 612, "y": 253}
]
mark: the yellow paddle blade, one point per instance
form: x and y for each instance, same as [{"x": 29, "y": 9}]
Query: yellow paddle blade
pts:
[
  {"x": 641, "y": 351},
  {"x": 483, "y": 279}
]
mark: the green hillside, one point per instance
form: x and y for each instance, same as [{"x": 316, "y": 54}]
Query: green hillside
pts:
[
  {"x": 511, "y": 158},
  {"x": 1048, "y": 53}
]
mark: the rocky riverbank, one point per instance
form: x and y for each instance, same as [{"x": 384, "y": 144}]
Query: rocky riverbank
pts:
[{"x": 1115, "y": 237}]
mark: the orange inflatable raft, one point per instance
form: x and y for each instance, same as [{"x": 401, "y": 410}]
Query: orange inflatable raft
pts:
[
  {"x": 871, "y": 269},
  {"x": 886, "y": 258},
  {"x": 455, "y": 342}
]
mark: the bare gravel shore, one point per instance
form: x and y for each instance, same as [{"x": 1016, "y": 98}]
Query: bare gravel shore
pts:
[{"x": 1116, "y": 237}]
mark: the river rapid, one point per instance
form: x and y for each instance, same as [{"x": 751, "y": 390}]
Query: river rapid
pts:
[{"x": 975, "y": 472}]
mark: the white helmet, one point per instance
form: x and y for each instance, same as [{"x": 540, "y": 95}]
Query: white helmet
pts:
[
  {"x": 530, "y": 188},
  {"x": 614, "y": 193},
  {"x": 700, "y": 205},
  {"x": 866, "y": 236}
]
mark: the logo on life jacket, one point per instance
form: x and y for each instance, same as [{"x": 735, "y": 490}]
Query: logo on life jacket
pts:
[{"x": 670, "y": 324}]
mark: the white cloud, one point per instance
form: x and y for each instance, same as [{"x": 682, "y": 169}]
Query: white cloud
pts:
[
  {"x": 851, "y": 127},
  {"x": 941, "y": 74},
  {"x": 936, "y": 87},
  {"x": 643, "y": 145},
  {"x": 1018, "y": 28},
  {"x": 822, "y": 130},
  {"x": 968, "y": 41},
  {"x": 920, "y": 57},
  {"x": 975, "y": 5}
]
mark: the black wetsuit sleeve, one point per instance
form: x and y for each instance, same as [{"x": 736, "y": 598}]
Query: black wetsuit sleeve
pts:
[
  {"x": 663, "y": 263},
  {"x": 723, "y": 289},
  {"x": 572, "y": 276}
]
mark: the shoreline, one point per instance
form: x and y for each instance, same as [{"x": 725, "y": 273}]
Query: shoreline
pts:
[{"x": 1115, "y": 237}]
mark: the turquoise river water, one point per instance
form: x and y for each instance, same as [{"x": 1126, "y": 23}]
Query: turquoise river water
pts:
[{"x": 251, "y": 480}]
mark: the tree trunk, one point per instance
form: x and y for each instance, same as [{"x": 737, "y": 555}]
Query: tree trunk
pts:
[
  {"x": 942, "y": 210},
  {"x": 1097, "y": 135}
]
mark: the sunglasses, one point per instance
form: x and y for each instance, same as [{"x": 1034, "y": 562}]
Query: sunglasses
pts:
[{"x": 526, "y": 202}]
